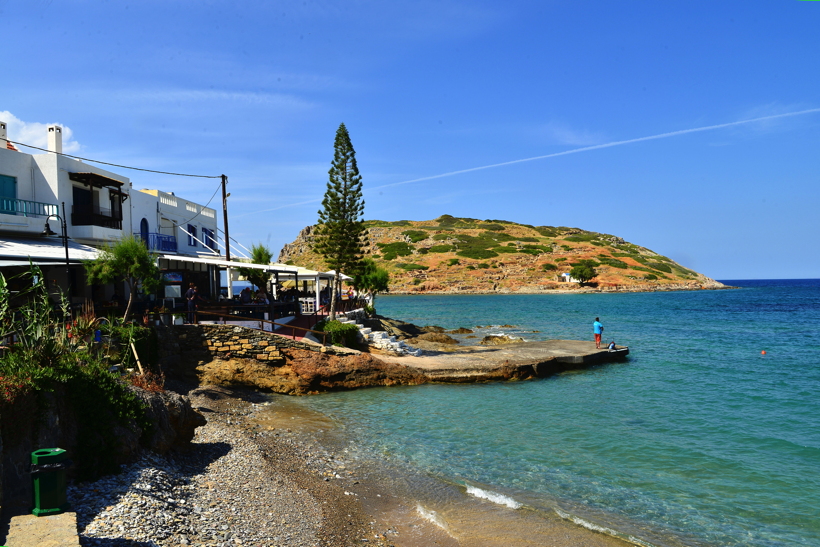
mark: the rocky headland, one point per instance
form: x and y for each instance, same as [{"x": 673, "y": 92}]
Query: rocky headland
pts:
[{"x": 451, "y": 255}]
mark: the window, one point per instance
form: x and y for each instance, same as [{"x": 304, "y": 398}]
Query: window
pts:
[
  {"x": 191, "y": 235},
  {"x": 8, "y": 194},
  {"x": 208, "y": 237}
]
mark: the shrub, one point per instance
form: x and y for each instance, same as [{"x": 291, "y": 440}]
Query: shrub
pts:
[
  {"x": 440, "y": 248},
  {"x": 549, "y": 267},
  {"x": 423, "y": 251},
  {"x": 528, "y": 239},
  {"x": 494, "y": 227},
  {"x": 416, "y": 281},
  {"x": 477, "y": 254},
  {"x": 566, "y": 247},
  {"x": 505, "y": 250},
  {"x": 560, "y": 259},
  {"x": 614, "y": 262},
  {"x": 453, "y": 262},
  {"x": 441, "y": 237},
  {"x": 547, "y": 231},
  {"x": 469, "y": 267},
  {"x": 340, "y": 334},
  {"x": 650, "y": 277},
  {"x": 411, "y": 267},
  {"x": 483, "y": 266},
  {"x": 398, "y": 248},
  {"x": 415, "y": 235}
]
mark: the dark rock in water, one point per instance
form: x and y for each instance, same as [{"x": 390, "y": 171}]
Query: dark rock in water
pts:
[
  {"x": 507, "y": 326},
  {"x": 461, "y": 330},
  {"x": 399, "y": 329},
  {"x": 432, "y": 328},
  {"x": 495, "y": 340},
  {"x": 438, "y": 337}
]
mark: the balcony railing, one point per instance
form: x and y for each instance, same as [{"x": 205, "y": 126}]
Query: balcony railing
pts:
[
  {"x": 27, "y": 208},
  {"x": 158, "y": 242},
  {"x": 83, "y": 215}
]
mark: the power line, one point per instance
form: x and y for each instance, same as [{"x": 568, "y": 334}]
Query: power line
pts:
[{"x": 117, "y": 165}]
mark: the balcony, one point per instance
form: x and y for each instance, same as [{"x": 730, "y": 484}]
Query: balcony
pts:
[
  {"x": 26, "y": 208},
  {"x": 84, "y": 215},
  {"x": 158, "y": 242}
]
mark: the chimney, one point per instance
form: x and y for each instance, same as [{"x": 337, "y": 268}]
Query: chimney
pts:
[
  {"x": 55, "y": 139},
  {"x": 3, "y": 136}
]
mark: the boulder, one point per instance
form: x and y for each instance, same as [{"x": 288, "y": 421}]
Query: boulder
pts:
[{"x": 497, "y": 340}]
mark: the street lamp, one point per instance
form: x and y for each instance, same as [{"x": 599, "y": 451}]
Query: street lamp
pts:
[{"x": 47, "y": 231}]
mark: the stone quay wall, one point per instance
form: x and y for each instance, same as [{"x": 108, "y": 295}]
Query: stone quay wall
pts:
[{"x": 209, "y": 342}]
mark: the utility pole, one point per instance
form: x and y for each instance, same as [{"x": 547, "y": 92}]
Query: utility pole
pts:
[
  {"x": 225, "y": 218},
  {"x": 227, "y": 237}
]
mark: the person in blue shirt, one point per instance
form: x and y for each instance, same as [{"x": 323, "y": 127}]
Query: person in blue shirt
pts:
[{"x": 597, "y": 330}]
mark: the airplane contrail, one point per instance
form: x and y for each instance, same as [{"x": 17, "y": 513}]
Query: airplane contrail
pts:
[{"x": 573, "y": 151}]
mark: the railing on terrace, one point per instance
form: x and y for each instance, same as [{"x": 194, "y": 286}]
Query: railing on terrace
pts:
[
  {"x": 27, "y": 208},
  {"x": 84, "y": 215},
  {"x": 158, "y": 242},
  {"x": 224, "y": 318}
]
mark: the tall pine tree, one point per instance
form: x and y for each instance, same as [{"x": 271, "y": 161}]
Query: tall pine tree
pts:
[{"x": 338, "y": 236}]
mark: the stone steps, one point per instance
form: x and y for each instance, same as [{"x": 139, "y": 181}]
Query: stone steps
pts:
[{"x": 381, "y": 339}]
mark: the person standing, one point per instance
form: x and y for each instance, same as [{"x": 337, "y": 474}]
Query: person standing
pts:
[
  {"x": 597, "y": 330},
  {"x": 191, "y": 296}
]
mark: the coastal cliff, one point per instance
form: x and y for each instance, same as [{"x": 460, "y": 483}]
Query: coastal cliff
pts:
[{"x": 462, "y": 255}]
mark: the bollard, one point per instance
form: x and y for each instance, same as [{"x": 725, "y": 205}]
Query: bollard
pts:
[{"x": 48, "y": 467}]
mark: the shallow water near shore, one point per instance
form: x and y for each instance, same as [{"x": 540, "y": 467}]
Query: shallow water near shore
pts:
[{"x": 698, "y": 439}]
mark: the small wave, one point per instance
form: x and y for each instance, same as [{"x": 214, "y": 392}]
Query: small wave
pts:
[
  {"x": 601, "y": 529},
  {"x": 494, "y": 497},
  {"x": 432, "y": 516}
]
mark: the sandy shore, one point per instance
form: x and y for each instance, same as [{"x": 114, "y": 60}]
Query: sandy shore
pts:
[{"x": 332, "y": 499}]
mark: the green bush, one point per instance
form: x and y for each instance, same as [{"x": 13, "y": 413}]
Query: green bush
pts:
[
  {"x": 650, "y": 277},
  {"x": 416, "y": 281},
  {"x": 415, "y": 235},
  {"x": 547, "y": 231},
  {"x": 477, "y": 254},
  {"x": 411, "y": 267},
  {"x": 505, "y": 250},
  {"x": 498, "y": 236},
  {"x": 423, "y": 251},
  {"x": 440, "y": 248},
  {"x": 566, "y": 247},
  {"x": 528, "y": 239},
  {"x": 441, "y": 237},
  {"x": 483, "y": 266},
  {"x": 494, "y": 227},
  {"x": 614, "y": 262},
  {"x": 392, "y": 250},
  {"x": 340, "y": 334},
  {"x": 549, "y": 267},
  {"x": 453, "y": 262},
  {"x": 469, "y": 267},
  {"x": 561, "y": 259}
]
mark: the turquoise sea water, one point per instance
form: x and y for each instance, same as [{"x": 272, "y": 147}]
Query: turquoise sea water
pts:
[{"x": 698, "y": 439}]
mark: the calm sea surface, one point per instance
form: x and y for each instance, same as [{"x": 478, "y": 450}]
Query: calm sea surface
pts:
[{"x": 698, "y": 439}]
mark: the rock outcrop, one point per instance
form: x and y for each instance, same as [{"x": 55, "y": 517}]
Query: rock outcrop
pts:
[{"x": 309, "y": 372}]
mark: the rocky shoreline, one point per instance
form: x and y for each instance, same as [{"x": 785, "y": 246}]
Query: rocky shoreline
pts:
[
  {"x": 237, "y": 484},
  {"x": 248, "y": 481}
]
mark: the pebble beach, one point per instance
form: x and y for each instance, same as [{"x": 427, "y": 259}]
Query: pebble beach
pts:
[{"x": 237, "y": 485}]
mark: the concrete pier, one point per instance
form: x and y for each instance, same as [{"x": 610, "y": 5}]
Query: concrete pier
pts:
[{"x": 510, "y": 361}]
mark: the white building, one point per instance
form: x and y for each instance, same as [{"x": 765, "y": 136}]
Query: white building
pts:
[{"x": 95, "y": 207}]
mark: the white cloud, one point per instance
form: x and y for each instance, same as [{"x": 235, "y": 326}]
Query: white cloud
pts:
[{"x": 36, "y": 133}]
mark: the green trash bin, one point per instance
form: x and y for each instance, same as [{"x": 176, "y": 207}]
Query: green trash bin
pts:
[{"x": 48, "y": 466}]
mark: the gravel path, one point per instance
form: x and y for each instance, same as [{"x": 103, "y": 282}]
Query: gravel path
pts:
[{"x": 238, "y": 485}]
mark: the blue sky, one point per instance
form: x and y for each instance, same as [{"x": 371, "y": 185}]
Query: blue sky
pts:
[{"x": 256, "y": 90}]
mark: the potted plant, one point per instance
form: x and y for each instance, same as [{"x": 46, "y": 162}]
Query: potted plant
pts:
[{"x": 179, "y": 318}]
